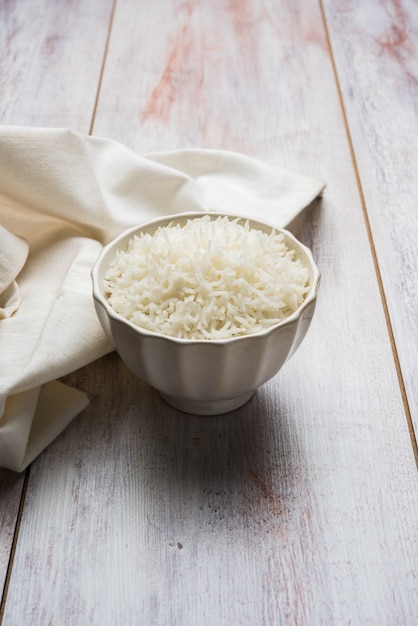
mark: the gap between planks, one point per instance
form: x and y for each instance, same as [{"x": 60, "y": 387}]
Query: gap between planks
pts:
[
  {"x": 14, "y": 544},
  {"x": 102, "y": 69},
  {"x": 407, "y": 410}
]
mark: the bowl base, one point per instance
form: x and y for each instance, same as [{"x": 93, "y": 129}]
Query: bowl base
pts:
[{"x": 207, "y": 407}]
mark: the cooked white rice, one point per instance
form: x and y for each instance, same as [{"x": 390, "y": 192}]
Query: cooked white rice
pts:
[{"x": 212, "y": 278}]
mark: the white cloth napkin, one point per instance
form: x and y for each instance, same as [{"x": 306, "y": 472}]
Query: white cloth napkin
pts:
[{"x": 62, "y": 196}]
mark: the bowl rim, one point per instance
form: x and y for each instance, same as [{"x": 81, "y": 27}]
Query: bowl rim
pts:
[{"x": 166, "y": 219}]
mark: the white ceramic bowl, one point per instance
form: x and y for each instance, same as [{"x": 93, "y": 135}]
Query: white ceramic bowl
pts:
[{"x": 204, "y": 377}]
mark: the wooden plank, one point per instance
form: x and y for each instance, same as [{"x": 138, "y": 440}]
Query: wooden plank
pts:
[
  {"x": 45, "y": 80},
  {"x": 377, "y": 65},
  {"x": 51, "y": 55},
  {"x": 11, "y": 485},
  {"x": 198, "y": 76},
  {"x": 299, "y": 508}
]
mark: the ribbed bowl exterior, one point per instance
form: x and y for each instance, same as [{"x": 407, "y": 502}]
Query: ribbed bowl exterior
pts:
[{"x": 203, "y": 377}]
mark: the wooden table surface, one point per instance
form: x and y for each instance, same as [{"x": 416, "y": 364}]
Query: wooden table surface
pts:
[{"x": 300, "y": 508}]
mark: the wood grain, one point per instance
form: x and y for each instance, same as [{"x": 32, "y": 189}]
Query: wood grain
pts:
[
  {"x": 377, "y": 59},
  {"x": 299, "y": 508},
  {"x": 51, "y": 55},
  {"x": 11, "y": 485}
]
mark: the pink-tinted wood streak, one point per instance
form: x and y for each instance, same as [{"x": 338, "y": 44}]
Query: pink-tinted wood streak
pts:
[{"x": 167, "y": 89}]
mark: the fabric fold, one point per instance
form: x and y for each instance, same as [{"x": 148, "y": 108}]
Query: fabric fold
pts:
[
  {"x": 13, "y": 255},
  {"x": 63, "y": 195}
]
